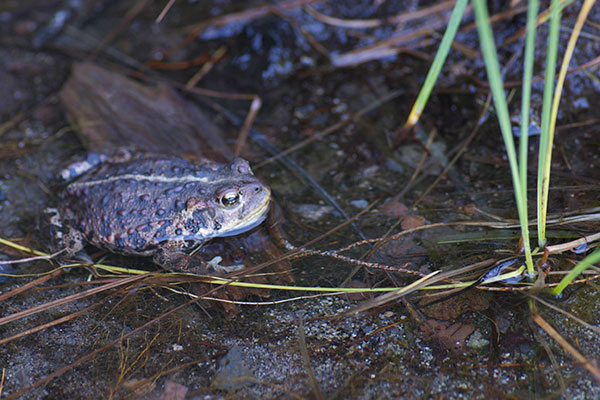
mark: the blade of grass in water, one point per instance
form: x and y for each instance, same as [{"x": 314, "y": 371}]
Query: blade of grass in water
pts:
[
  {"x": 436, "y": 66},
  {"x": 583, "y": 13},
  {"x": 545, "y": 143},
  {"x": 488, "y": 49},
  {"x": 532, "y": 11},
  {"x": 585, "y": 9},
  {"x": 574, "y": 273}
]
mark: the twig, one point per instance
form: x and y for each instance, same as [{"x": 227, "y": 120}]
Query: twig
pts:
[
  {"x": 164, "y": 11},
  {"x": 68, "y": 299},
  {"x": 247, "y": 125},
  {"x": 208, "y": 65},
  {"x": 559, "y": 248},
  {"x": 567, "y": 347},
  {"x": 52, "y": 323},
  {"x": 374, "y": 23},
  {"x": 566, "y": 313},
  {"x": 29, "y": 259},
  {"x": 11, "y": 122},
  {"x": 30, "y": 285},
  {"x": 306, "y": 360}
]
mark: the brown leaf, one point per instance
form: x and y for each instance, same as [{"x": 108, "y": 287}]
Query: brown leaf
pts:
[
  {"x": 452, "y": 336},
  {"x": 412, "y": 221}
]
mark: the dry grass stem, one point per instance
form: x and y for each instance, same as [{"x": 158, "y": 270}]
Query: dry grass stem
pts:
[
  {"x": 567, "y": 314},
  {"x": 68, "y": 299},
  {"x": 567, "y": 347},
  {"x": 374, "y": 23},
  {"x": 562, "y": 247}
]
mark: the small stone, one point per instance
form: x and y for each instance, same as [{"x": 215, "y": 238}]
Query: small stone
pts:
[
  {"x": 359, "y": 203},
  {"x": 313, "y": 212},
  {"x": 233, "y": 372},
  {"x": 477, "y": 341}
]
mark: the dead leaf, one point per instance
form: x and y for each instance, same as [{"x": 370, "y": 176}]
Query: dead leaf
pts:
[
  {"x": 111, "y": 110},
  {"x": 450, "y": 335},
  {"x": 412, "y": 221}
]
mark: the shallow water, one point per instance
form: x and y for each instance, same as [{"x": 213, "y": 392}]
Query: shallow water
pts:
[{"x": 476, "y": 345}]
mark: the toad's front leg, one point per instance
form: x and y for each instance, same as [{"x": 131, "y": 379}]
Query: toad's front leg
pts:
[
  {"x": 58, "y": 235},
  {"x": 172, "y": 256}
]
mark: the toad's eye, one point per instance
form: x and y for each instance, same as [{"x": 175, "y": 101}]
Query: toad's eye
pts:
[{"x": 230, "y": 198}]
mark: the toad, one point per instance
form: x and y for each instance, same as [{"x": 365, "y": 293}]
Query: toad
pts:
[{"x": 155, "y": 205}]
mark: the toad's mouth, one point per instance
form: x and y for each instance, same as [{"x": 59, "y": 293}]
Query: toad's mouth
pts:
[{"x": 252, "y": 220}]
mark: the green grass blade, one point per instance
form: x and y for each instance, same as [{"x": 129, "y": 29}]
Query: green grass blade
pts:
[
  {"x": 488, "y": 49},
  {"x": 532, "y": 12},
  {"x": 582, "y": 266},
  {"x": 438, "y": 63},
  {"x": 545, "y": 144}
]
